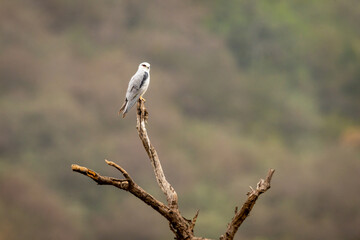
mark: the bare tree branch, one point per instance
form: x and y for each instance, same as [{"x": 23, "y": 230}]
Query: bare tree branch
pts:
[
  {"x": 165, "y": 186},
  {"x": 125, "y": 184},
  {"x": 126, "y": 175},
  {"x": 182, "y": 228},
  {"x": 240, "y": 216},
  {"x": 101, "y": 180}
]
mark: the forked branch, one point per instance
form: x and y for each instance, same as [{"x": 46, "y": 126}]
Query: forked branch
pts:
[
  {"x": 182, "y": 228},
  {"x": 126, "y": 184},
  {"x": 240, "y": 216}
]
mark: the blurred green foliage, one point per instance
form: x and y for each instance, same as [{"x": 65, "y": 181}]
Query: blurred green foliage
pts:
[{"x": 237, "y": 87}]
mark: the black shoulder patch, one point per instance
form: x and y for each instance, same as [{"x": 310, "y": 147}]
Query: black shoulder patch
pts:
[{"x": 146, "y": 75}]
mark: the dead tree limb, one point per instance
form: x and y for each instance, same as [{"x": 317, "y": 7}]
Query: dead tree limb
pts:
[
  {"x": 126, "y": 184},
  {"x": 182, "y": 228},
  {"x": 168, "y": 190},
  {"x": 240, "y": 216}
]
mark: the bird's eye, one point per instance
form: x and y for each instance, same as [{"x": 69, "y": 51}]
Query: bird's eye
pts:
[{"x": 143, "y": 65}]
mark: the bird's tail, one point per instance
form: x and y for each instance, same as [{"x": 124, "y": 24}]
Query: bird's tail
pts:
[{"x": 124, "y": 108}]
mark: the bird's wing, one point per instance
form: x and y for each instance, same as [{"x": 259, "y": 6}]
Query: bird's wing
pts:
[{"x": 135, "y": 84}]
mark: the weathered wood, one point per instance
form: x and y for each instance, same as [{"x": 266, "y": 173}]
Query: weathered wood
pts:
[
  {"x": 182, "y": 228},
  {"x": 165, "y": 186},
  {"x": 240, "y": 216}
]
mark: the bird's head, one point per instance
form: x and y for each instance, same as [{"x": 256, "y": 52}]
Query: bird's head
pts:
[{"x": 145, "y": 66}]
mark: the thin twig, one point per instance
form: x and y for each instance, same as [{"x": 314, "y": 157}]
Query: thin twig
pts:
[
  {"x": 123, "y": 171},
  {"x": 193, "y": 221}
]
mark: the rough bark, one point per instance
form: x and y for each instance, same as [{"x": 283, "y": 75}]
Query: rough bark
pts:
[
  {"x": 240, "y": 216},
  {"x": 182, "y": 228},
  {"x": 164, "y": 185}
]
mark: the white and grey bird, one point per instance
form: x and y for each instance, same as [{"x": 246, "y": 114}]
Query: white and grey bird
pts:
[{"x": 138, "y": 85}]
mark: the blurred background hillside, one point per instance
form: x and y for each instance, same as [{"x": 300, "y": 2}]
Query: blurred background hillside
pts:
[{"x": 237, "y": 87}]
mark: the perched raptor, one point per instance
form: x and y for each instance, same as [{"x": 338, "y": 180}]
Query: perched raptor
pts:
[{"x": 137, "y": 87}]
